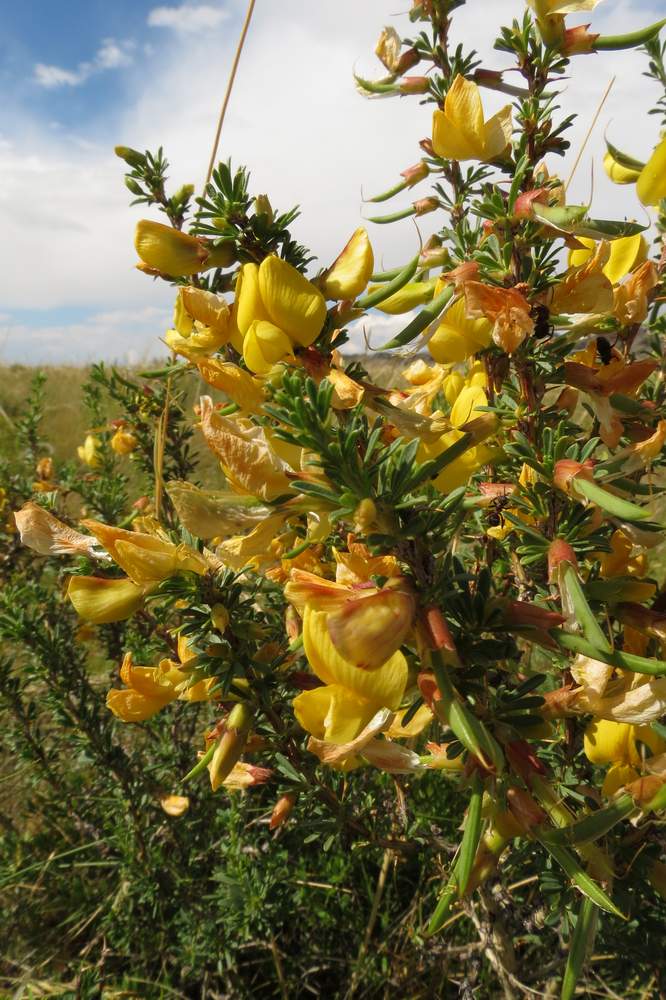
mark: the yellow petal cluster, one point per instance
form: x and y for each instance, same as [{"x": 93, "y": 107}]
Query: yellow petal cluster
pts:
[
  {"x": 147, "y": 690},
  {"x": 202, "y": 323},
  {"x": 460, "y": 131},
  {"x": 276, "y": 309},
  {"x": 458, "y": 336},
  {"x": 615, "y": 743},
  {"x": 350, "y": 698}
]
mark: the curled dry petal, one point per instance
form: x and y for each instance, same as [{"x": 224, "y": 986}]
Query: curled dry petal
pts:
[
  {"x": 244, "y": 453},
  {"x": 45, "y": 534},
  {"x": 335, "y": 753}
]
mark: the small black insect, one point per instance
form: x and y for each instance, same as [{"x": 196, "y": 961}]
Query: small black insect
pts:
[
  {"x": 495, "y": 518},
  {"x": 604, "y": 350},
  {"x": 542, "y": 326}
]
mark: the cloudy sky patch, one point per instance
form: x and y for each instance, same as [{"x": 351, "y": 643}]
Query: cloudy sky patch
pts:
[{"x": 142, "y": 74}]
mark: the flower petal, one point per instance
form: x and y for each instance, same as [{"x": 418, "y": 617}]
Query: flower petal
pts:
[
  {"x": 292, "y": 302},
  {"x": 382, "y": 688}
]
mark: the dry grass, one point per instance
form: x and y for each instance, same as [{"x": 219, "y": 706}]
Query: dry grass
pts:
[{"x": 65, "y": 419}]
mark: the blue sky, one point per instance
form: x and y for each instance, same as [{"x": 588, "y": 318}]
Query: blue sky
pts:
[{"x": 84, "y": 76}]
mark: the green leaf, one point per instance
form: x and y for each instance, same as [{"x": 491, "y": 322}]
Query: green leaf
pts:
[
  {"x": 570, "y": 865},
  {"x": 581, "y": 942},
  {"x": 616, "y": 506},
  {"x": 625, "y": 661}
]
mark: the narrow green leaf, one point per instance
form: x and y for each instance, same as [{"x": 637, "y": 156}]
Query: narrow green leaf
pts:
[
  {"x": 471, "y": 836},
  {"x": 625, "y": 661},
  {"x": 581, "y": 942},
  {"x": 616, "y": 506},
  {"x": 594, "y": 826},
  {"x": 584, "y": 616},
  {"x": 579, "y": 877}
]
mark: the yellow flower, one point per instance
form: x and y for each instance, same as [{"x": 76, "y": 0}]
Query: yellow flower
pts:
[
  {"x": 586, "y": 288},
  {"x": 505, "y": 308},
  {"x": 264, "y": 345},
  {"x": 625, "y": 254},
  {"x": 458, "y": 337},
  {"x": 620, "y": 561},
  {"x": 277, "y": 294},
  {"x": 237, "y": 384},
  {"x": 123, "y": 442},
  {"x": 550, "y": 16},
  {"x": 619, "y": 173},
  {"x": 351, "y": 272},
  {"x": 460, "y": 131},
  {"x": 101, "y": 600},
  {"x": 651, "y": 185},
  {"x": 171, "y": 252},
  {"x": 467, "y": 404},
  {"x": 630, "y": 301},
  {"x": 254, "y": 549},
  {"x": 175, "y": 805},
  {"x": 149, "y": 689},
  {"x": 366, "y": 625},
  {"x": 350, "y": 698},
  {"x": 88, "y": 452},
  {"x": 615, "y": 743},
  {"x": 202, "y": 323},
  {"x": 209, "y": 513},
  {"x": 146, "y": 558}
]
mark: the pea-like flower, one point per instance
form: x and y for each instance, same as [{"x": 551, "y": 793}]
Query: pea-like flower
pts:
[{"x": 460, "y": 131}]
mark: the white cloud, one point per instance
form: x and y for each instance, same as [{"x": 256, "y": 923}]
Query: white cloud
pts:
[
  {"x": 126, "y": 336},
  {"x": 110, "y": 55},
  {"x": 188, "y": 18},
  {"x": 297, "y": 122},
  {"x": 56, "y": 76}
]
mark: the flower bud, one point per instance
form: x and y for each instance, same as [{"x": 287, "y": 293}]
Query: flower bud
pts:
[
  {"x": 578, "y": 41},
  {"x": 282, "y": 810},
  {"x": 414, "y": 85},
  {"x": 425, "y": 205},
  {"x": 183, "y": 194},
  {"x": 263, "y": 208},
  {"x": 45, "y": 469},
  {"x": 417, "y": 172},
  {"x": 365, "y": 516},
  {"x": 567, "y": 469},
  {"x": 219, "y": 617},
  {"x": 88, "y": 452},
  {"x": 131, "y": 156},
  {"x": 231, "y": 744},
  {"x": 559, "y": 551},
  {"x": 524, "y": 809},
  {"x": 134, "y": 187}
]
